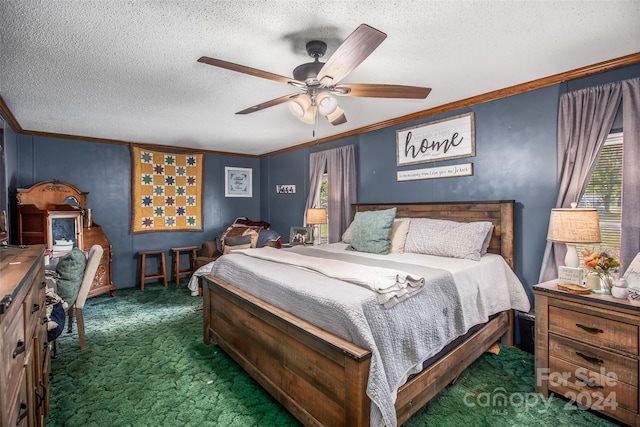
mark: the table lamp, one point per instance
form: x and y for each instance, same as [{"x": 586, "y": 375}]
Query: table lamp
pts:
[
  {"x": 573, "y": 226},
  {"x": 315, "y": 217}
]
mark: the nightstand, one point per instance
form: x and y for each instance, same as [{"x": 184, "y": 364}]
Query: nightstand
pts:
[{"x": 586, "y": 349}]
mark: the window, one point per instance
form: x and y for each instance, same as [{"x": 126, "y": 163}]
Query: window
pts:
[
  {"x": 323, "y": 202},
  {"x": 604, "y": 192}
]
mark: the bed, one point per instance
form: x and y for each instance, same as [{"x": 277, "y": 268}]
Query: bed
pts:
[{"x": 325, "y": 374}]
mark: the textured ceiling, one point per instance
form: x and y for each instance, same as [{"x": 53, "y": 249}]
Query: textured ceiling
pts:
[{"x": 128, "y": 70}]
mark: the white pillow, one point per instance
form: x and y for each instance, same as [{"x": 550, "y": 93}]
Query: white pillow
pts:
[
  {"x": 487, "y": 241},
  {"x": 346, "y": 236},
  {"x": 447, "y": 238},
  {"x": 399, "y": 231},
  {"x": 632, "y": 273}
]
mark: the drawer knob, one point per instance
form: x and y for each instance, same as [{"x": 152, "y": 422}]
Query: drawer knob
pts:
[
  {"x": 589, "y": 383},
  {"x": 590, "y": 359},
  {"x": 35, "y": 308},
  {"x": 20, "y": 348},
  {"x": 590, "y": 329}
]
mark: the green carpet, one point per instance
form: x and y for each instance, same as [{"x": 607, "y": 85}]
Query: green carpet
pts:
[{"x": 146, "y": 365}]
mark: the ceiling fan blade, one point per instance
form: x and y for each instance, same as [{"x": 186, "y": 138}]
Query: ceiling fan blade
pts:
[
  {"x": 383, "y": 91},
  {"x": 271, "y": 103},
  {"x": 250, "y": 71},
  {"x": 355, "y": 49}
]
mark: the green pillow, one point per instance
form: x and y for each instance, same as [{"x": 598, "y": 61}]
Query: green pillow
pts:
[
  {"x": 372, "y": 231},
  {"x": 70, "y": 268}
]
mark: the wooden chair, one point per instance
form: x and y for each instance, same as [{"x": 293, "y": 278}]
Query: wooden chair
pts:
[
  {"x": 95, "y": 254},
  {"x": 177, "y": 272},
  {"x": 162, "y": 268}
]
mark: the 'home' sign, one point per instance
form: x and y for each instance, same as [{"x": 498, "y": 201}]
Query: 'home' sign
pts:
[{"x": 450, "y": 138}]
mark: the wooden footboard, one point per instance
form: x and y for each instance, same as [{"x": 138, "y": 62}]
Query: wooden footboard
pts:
[
  {"x": 427, "y": 384},
  {"x": 317, "y": 376}
]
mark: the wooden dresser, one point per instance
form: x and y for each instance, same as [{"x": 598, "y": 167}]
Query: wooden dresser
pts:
[
  {"x": 24, "y": 350},
  {"x": 587, "y": 350},
  {"x": 42, "y": 204}
]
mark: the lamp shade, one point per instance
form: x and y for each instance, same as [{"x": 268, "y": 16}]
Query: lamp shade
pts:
[
  {"x": 326, "y": 104},
  {"x": 299, "y": 105},
  {"x": 316, "y": 216},
  {"x": 574, "y": 225}
]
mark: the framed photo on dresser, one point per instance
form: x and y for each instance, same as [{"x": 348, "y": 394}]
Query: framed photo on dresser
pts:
[{"x": 301, "y": 236}]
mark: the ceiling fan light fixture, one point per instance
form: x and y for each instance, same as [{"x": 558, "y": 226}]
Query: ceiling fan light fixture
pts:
[
  {"x": 326, "y": 104},
  {"x": 319, "y": 82},
  {"x": 299, "y": 105}
]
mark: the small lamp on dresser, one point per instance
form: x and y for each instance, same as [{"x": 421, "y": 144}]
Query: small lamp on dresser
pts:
[
  {"x": 573, "y": 226},
  {"x": 315, "y": 217}
]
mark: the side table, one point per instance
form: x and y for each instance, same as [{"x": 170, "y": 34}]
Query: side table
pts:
[{"x": 586, "y": 349}]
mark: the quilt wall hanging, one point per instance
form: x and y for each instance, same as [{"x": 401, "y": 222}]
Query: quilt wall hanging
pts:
[{"x": 167, "y": 191}]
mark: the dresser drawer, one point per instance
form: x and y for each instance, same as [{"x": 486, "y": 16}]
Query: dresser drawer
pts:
[
  {"x": 590, "y": 388},
  {"x": 594, "y": 358},
  {"x": 592, "y": 329},
  {"x": 14, "y": 346},
  {"x": 18, "y": 414},
  {"x": 34, "y": 309}
]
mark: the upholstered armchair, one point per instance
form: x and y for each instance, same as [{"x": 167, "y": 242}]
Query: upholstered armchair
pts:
[
  {"x": 242, "y": 234},
  {"x": 208, "y": 253}
]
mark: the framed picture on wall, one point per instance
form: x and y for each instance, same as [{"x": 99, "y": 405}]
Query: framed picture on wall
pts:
[
  {"x": 237, "y": 182},
  {"x": 301, "y": 236}
]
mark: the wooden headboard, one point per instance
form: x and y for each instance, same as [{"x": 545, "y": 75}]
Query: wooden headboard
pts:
[{"x": 500, "y": 213}]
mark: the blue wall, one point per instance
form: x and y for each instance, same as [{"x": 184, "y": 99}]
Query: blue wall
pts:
[{"x": 515, "y": 159}]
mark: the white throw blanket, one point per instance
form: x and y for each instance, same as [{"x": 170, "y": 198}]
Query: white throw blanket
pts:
[{"x": 391, "y": 286}]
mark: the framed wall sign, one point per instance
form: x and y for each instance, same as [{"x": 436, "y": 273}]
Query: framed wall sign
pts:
[
  {"x": 237, "y": 182},
  {"x": 450, "y": 138},
  {"x": 464, "y": 169}
]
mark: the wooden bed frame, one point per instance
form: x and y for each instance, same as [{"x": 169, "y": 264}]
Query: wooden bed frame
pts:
[{"x": 321, "y": 378}]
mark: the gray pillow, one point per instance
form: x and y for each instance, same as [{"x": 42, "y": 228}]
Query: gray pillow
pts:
[
  {"x": 372, "y": 231},
  {"x": 235, "y": 241},
  {"x": 70, "y": 268},
  {"x": 447, "y": 238}
]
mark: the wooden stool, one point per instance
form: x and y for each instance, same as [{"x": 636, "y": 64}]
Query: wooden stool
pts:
[
  {"x": 161, "y": 274},
  {"x": 191, "y": 250}
]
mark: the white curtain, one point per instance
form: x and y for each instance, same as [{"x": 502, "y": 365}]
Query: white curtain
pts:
[{"x": 340, "y": 164}]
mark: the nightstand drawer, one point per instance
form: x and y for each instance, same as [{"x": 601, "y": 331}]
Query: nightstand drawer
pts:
[
  {"x": 596, "y": 330},
  {"x": 590, "y": 388},
  {"x": 594, "y": 358}
]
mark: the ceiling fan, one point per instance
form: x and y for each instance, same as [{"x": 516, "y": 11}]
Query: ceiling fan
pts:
[{"x": 317, "y": 80}]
